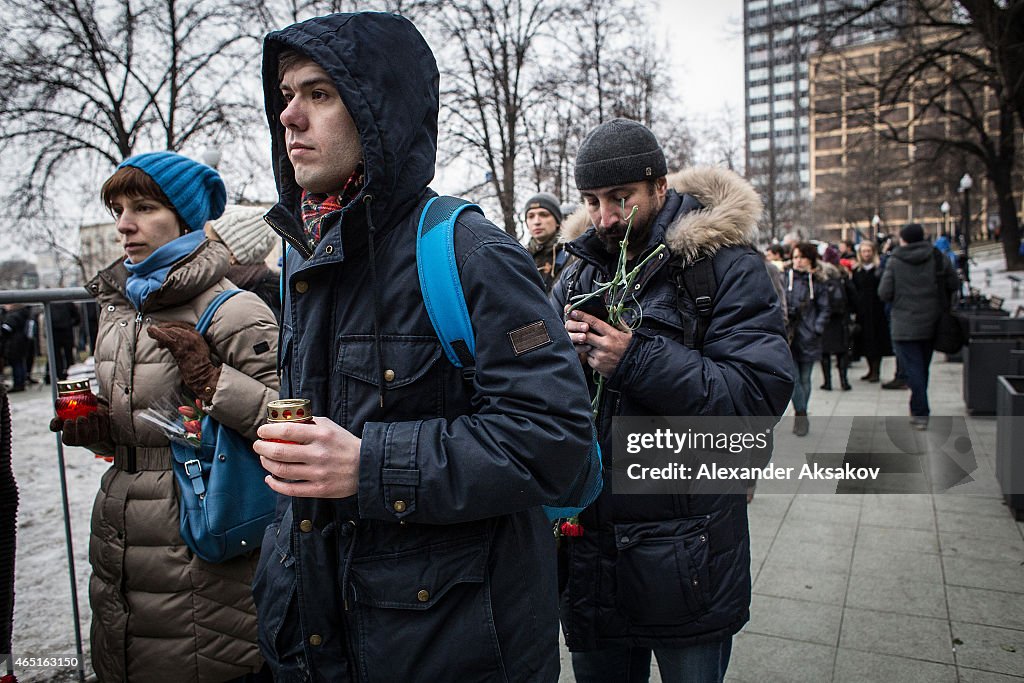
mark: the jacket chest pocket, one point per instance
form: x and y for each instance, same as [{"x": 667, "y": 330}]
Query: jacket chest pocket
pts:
[
  {"x": 661, "y": 571},
  {"x": 435, "y": 603},
  {"x": 409, "y": 369},
  {"x": 662, "y": 315}
]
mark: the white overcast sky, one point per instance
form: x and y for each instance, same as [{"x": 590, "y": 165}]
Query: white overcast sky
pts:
[
  {"x": 705, "y": 58},
  {"x": 705, "y": 39}
]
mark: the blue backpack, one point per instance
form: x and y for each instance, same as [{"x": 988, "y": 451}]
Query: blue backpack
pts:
[{"x": 446, "y": 305}]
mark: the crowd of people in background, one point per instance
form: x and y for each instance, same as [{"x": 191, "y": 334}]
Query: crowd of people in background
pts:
[
  {"x": 864, "y": 299},
  {"x": 23, "y": 340}
]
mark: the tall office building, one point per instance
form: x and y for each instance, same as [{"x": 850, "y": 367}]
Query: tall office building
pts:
[{"x": 779, "y": 38}]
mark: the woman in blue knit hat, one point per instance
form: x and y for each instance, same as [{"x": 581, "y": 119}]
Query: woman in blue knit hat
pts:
[{"x": 158, "y": 612}]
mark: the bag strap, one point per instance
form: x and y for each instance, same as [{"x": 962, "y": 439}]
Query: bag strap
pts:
[
  {"x": 945, "y": 303},
  {"x": 697, "y": 281},
  {"x": 192, "y": 462},
  {"x": 204, "y": 320},
  {"x": 439, "y": 278}
]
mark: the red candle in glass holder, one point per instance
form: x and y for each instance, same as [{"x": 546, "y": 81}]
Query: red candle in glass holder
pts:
[
  {"x": 75, "y": 399},
  {"x": 289, "y": 410}
]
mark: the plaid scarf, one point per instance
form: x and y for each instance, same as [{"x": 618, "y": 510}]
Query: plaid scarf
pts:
[{"x": 317, "y": 208}]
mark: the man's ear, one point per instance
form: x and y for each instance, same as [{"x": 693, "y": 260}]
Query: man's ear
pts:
[{"x": 661, "y": 188}]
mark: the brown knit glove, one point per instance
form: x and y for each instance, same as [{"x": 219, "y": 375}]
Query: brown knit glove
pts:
[
  {"x": 192, "y": 354},
  {"x": 84, "y": 431}
]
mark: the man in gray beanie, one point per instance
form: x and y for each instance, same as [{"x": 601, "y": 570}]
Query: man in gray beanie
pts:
[
  {"x": 919, "y": 283},
  {"x": 544, "y": 219},
  {"x": 701, "y": 334}
]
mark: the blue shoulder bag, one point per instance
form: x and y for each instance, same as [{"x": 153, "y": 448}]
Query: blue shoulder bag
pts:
[
  {"x": 225, "y": 505},
  {"x": 446, "y": 305}
]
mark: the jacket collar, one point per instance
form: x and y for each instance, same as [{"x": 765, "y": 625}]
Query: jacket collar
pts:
[
  {"x": 589, "y": 248},
  {"x": 187, "y": 279}
]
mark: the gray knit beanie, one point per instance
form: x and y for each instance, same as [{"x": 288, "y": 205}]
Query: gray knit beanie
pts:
[
  {"x": 544, "y": 200},
  {"x": 912, "y": 232},
  {"x": 244, "y": 232},
  {"x": 618, "y": 152}
]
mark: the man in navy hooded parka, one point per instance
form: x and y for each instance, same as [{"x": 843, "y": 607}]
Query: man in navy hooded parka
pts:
[{"x": 411, "y": 545}]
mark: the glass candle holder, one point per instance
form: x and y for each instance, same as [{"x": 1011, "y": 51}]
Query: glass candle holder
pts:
[
  {"x": 75, "y": 399},
  {"x": 289, "y": 410}
]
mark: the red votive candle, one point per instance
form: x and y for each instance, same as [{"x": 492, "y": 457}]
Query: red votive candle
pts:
[{"x": 74, "y": 399}]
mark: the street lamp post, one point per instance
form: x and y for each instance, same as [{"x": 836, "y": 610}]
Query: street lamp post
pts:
[
  {"x": 876, "y": 221},
  {"x": 944, "y": 208},
  {"x": 966, "y": 182}
]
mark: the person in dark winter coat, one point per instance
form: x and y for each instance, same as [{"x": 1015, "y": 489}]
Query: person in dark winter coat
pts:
[
  {"x": 410, "y": 543},
  {"x": 836, "y": 339},
  {"x": 65, "y": 318},
  {"x": 809, "y": 311},
  {"x": 872, "y": 337},
  {"x": 664, "y": 591},
  {"x": 919, "y": 282},
  {"x": 544, "y": 222},
  {"x": 18, "y": 345}
]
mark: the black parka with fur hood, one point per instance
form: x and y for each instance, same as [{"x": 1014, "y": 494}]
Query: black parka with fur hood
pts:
[{"x": 674, "y": 570}]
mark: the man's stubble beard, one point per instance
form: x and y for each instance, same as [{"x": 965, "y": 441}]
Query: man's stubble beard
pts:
[{"x": 638, "y": 236}]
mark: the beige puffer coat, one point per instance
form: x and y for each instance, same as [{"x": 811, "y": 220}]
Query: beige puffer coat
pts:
[{"x": 159, "y": 613}]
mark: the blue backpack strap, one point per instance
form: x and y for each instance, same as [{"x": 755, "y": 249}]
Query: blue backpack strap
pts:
[
  {"x": 440, "y": 283},
  {"x": 446, "y": 305},
  {"x": 204, "y": 320}
]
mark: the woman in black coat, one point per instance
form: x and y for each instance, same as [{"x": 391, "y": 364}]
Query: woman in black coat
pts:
[
  {"x": 808, "y": 311},
  {"x": 872, "y": 337},
  {"x": 836, "y": 340}
]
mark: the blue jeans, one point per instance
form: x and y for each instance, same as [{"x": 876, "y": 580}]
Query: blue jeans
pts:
[
  {"x": 914, "y": 358},
  {"x": 705, "y": 663},
  {"x": 802, "y": 386}
]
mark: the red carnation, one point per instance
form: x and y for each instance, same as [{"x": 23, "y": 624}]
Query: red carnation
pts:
[{"x": 571, "y": 529}]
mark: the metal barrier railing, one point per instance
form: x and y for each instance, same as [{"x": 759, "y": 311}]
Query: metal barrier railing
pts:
[{"x": 47, "y": 297}]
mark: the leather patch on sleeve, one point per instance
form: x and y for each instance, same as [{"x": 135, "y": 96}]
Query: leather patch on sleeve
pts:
[
  {"x": 529, "y": 337},
  {"x": 261, "y": 347}
]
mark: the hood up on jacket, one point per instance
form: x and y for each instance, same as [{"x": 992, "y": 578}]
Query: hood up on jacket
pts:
[
  {"x": 915, "y": 253},
  {"x": 392, "y": 96},
  {"x": 731, "y": 208}
]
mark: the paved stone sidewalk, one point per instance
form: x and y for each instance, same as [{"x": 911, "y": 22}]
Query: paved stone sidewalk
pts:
[{"x": 887, "y": 587}]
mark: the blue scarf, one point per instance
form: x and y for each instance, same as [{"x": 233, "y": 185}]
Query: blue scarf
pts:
[{"x": 146, "y": 277}]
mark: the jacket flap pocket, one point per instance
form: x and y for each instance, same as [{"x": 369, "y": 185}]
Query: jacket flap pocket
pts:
[
  {"x": 663, "y": 312},
  {"x": 405, "y": 359},
  {"x": 419, "y": 578},
  {"x": 629, "y": 535}
]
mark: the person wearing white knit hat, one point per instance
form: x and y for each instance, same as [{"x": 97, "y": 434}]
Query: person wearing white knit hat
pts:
[
  {"x": 244, "y": 232},
  {"x": 250, "y": 240}
]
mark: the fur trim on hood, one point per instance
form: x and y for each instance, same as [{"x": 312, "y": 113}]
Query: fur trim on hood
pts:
[
  {"x": 729, "y": 217},
  {"x": 833, "y": 272}
]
